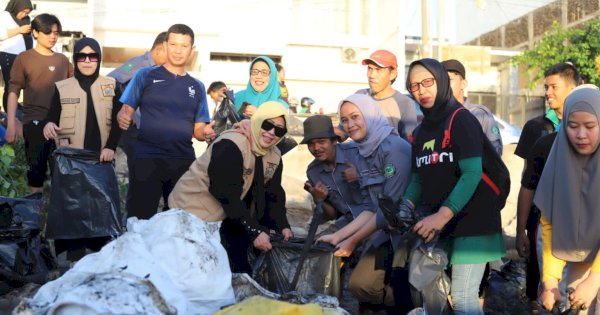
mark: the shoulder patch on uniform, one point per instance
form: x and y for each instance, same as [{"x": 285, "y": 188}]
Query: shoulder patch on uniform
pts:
[
  {"x": 108, "y": 89},
  {"x": 389, "y": 170},
  {"x": 495, "y": 130}
]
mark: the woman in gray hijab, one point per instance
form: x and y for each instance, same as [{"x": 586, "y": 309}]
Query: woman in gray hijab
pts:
[{"x": 567, "y": 197}]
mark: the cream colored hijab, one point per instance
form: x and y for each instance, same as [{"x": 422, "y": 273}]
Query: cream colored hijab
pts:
[
  {"x": 568, "y": 190},
  {"x": 251, "y": 130}
]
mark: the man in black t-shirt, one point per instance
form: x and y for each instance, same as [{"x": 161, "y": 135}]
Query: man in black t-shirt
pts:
[{"x": 560, "y": 80}]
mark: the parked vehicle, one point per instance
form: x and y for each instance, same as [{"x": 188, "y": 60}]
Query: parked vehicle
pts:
[{"x": 509, "y": 133}]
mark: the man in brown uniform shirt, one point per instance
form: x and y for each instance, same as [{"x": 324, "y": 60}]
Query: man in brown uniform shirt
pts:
[{"x": 35, "y": 71}]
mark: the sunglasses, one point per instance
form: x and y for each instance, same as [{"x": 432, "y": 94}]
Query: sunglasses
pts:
[
  {"x": 279, "y": 131},
  {"x": 81, "y": 57}
]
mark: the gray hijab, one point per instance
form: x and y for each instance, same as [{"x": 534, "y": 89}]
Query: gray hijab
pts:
[
  {"x": 377, "y": 125},
  {"x": 568, "y": 190}
]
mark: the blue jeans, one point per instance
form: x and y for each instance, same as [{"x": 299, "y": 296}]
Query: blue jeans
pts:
[{"x": 465, "y": 288}]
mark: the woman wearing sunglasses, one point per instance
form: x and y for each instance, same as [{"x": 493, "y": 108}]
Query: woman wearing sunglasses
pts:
[
  {"x": 95, "y": 101},
  {"x": 447, "y": 178},
  {"x": 83, "y": 116},
  {"x": 238, "y": 181}
]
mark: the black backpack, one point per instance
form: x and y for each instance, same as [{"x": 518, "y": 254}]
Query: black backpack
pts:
[{"x": 495, "y": 173}]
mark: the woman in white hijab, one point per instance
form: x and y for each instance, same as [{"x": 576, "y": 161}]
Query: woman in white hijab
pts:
[{"x": 567, "y": 197}]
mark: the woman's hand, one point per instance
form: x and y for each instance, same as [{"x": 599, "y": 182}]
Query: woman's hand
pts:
[
  {"x": 25, "y": 29},
  {"x": 332, "y": 239},
  {"x": 50, "y": 131},
  {"x": 249, "y": 111},
  {"x": 345, "y": 248},
  {"x": 263, "y": 242},
  {"x": 287, "y": 234},
  {"x": 550, "y": 295},
  {"x": 107, "y": 155},
  {"x": 585, "y": 292},
  {"x": 432, "y": 224}
]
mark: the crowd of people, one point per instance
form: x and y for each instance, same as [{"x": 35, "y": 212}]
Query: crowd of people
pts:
[{"x": 387, "y": 145}]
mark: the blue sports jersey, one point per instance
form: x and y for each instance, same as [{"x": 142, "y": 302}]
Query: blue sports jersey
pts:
[{"x": 170, "y": 105}]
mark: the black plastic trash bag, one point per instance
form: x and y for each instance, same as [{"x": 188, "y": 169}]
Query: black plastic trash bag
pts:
[
  {"x": 225, "y": 115},
  {"x": 84, "y": 199},
  {"x": 25, "y": 255},
  {"x": 24, "y": 210},
  {"x": 320, "y": 272},
  {"x": 428, "y": 278},
  {"x": 506, "y": 290}
]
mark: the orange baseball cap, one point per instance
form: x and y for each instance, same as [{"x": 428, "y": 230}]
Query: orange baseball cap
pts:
[{"x": 383, "y": 58}]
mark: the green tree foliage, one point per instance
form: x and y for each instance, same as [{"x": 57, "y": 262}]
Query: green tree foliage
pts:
[
  {"x": 580, "y": 46},
  {"x": 13, "y": 170}
]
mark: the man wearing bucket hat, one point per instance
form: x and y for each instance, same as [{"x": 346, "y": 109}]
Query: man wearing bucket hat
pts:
[
  {"x": 327, "y": 175},
  {"x": 399, "y": 109}
]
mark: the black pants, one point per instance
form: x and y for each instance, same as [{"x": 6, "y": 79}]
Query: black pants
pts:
[
  {"x": 37, "y": 151},
  {"x": 6, "y": 62},
  {"x": 151, "y": 179}
]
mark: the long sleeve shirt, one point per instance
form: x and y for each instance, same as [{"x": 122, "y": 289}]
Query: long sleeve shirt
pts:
[
  {"x": 226, "y": 184},
  {"x": 553, "y": 267}
]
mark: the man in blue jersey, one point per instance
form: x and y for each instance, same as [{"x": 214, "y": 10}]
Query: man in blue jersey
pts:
[{"x": 174, "y": 108}]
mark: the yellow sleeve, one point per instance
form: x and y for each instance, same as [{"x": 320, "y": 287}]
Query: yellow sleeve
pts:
[
  {"x": 552, "y": 267},
  {"x": 596, "y": 263}
]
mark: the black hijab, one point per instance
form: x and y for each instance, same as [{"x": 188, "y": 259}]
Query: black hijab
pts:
[
  {"x": 92, "y": 131},
  {"x": 444, "y": 103},
  {"x": 14, "y": 7},
  {"x": 83, "y": 79}
]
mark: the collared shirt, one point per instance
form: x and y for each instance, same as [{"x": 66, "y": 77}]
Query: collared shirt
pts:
[
  {"x": 125, "y": 72},
  {"x": 488, "y": 123},
  {"x": 352, "y": 199},
  {"x": 387, "y": 171}
]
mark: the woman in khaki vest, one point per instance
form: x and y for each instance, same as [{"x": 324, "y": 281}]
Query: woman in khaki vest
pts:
[
  {"x": 83, "y": 116},
  {"x": 238, "y": 180}
]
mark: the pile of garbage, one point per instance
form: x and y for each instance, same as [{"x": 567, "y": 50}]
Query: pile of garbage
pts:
[{"x": 172, "y": 263}]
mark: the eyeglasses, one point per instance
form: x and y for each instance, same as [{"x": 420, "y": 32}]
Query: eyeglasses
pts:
[
  {"x": 262, "y": 73},
  {"x": 81, "y": 57},
  {"x": 279, "y": 131},
  {"x": 425, "y": 83}
]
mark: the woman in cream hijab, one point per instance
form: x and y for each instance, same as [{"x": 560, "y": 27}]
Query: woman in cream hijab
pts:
[
  {"x": 568, "y": 199},
  {"x": 238, "y": 180}
]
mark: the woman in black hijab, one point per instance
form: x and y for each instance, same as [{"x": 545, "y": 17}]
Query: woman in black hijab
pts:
[
  {"x": 83, "y": 116},
  {"x": 447, "y": 180},
  {"x": 15, "y": 37}
]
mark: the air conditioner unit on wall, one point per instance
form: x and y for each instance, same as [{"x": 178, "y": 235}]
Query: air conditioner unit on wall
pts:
[{"x": 349, "y": 54}]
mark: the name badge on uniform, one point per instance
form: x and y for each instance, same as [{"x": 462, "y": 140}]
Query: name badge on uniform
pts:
[
  {"x": 70, "y": 100},
  {"x": 108, "y": 89}
]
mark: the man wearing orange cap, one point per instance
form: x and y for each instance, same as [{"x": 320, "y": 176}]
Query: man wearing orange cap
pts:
[{"x": 400, "y": 110}]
